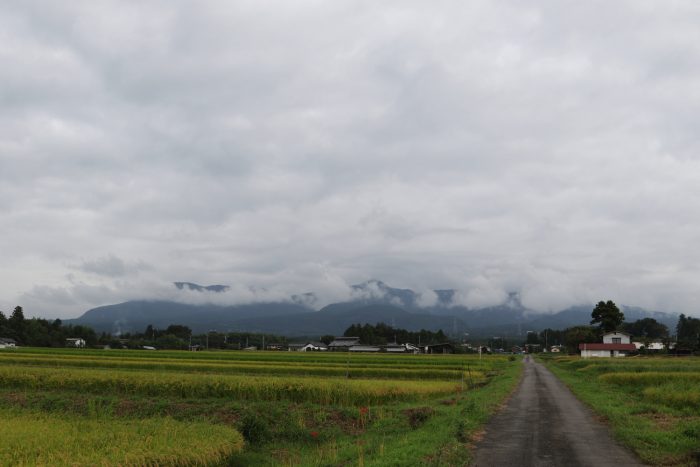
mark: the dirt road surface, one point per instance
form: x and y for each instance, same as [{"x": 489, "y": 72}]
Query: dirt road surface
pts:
[{"x": 543, "y": 424}]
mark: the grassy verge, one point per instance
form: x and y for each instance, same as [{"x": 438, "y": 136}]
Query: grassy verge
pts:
[{"x": 645, "y": 417}]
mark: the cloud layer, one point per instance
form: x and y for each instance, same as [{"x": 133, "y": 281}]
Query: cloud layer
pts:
[{"x": 548, "y": 148}]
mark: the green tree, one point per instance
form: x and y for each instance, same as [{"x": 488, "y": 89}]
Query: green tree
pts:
[
  {"x": 179, "y": 330},
  {"x": 647, "y": 328},
  {"x": 578, "y": 335},
  {"x": 16, "y": 323},
  {"x": 607, "y": 315},
  {"x": 688, "y": 332}
]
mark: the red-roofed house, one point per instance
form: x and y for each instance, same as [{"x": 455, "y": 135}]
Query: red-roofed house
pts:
[{"x": 615, "y": 344}]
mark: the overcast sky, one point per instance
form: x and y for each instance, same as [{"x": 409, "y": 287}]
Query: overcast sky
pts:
[{"x": 550, "y": 148}]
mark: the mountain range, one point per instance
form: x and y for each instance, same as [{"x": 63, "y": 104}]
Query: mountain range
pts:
[{"x": 373, "y": 302}]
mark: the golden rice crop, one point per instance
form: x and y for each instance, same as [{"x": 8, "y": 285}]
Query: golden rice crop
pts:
[
  {"x": 236, "y": 367},
  {"x": 39, "y": 439},
  {"x": 324, "y": 390},
  {"x": 325, "y": 358}
]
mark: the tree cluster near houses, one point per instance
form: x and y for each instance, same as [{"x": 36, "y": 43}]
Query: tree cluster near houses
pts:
[
  {"x": 38, "y": 332},
  {"x": 647, "y": 335},
  {"x": 382, "y": 334},
  {"x": 177, "y": 336}
]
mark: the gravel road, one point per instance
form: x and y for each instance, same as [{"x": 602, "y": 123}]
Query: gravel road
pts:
[{"x": 543, "y": 424}]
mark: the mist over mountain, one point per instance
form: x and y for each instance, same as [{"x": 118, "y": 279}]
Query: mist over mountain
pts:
[{"x": 371, "y": 302}]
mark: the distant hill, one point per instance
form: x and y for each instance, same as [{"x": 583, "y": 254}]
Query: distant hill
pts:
[
  {"x": 372, "y": 302},
  {"x": 136, "y": 315}
]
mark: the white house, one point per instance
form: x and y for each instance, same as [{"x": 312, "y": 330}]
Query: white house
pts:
[
  {"x": 6, "y": 343},
  {"x": 75, "y": 342},
  {"x": 615, "y": 344},
  {"x": 308, "y": 347},
  {"x": 616, "y": 338},
  {"x": 656, "y": 346}
]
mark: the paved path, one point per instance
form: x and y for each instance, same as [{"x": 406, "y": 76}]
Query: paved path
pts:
[{"x": 543, "y": 424}]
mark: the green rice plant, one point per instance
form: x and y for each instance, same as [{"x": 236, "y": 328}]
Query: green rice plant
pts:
[
  {"x": 674, "y": 395},
  {"x": 30, "y": 438},
  {"x": 650, "y": 378}
]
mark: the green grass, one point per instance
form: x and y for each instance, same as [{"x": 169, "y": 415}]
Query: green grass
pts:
[{"x": 651, "y": 403}]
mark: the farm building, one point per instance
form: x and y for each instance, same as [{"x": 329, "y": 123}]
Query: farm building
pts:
[
  {"x": 75, "y": 342},
  {"x": 6, "y": 342},
  {"x": 343, "y": 343},
  {"x": 402, "y": 348},
  {"x": 439, "y": 348},
  {"x": 615, "y": 344},
  {"x": 308, "y": 347}
]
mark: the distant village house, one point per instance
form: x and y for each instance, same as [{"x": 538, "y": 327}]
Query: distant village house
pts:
[
  {"x": 615, "y": 344},
  {"x": 308, "y": 347},
  {"x": 343, "y": 343},
  {"x": 6, "y": 343},
  {"x": 75, "y": 342}
]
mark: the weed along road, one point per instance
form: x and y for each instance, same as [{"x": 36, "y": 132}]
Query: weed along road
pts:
[{"x": 543, "y": 424}]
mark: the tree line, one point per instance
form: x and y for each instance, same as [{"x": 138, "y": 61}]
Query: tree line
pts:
[{"x": 38, "y": 332}]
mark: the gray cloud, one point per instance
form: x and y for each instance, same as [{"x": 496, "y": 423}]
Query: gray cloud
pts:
[{"x": 544, "y": 147}]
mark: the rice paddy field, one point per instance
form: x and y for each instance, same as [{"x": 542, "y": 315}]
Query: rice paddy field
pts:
[
  {"x": 128, "y": 407},
  {"x": 651, "y": 403}
]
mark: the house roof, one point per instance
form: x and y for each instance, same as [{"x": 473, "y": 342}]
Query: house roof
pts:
[
  {"x": 7, "y": 340},
  {"x": 365, "y": 348},
  {"x": 598, "y": 346},
  {"x": 616, "y": 332},
  {"x": 344, "y": 341}
]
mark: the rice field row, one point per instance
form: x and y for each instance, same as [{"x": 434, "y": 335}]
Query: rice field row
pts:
[
  {"x": 351, "y": 368},
  {"x": 31, "y": 438},
  {"x": 270, "y": 388},
  {"x": 259, "y": 357}
]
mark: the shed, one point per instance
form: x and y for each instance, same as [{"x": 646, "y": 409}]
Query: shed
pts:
[{"x": 444, "y": 347}]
